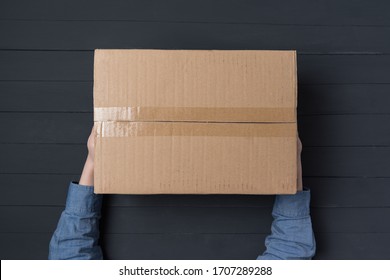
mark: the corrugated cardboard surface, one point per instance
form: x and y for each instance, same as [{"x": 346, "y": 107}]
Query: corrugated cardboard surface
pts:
[{"x": 195, "y": 121}]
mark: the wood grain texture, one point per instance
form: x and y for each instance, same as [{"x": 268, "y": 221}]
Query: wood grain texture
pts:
[
  {"x": 89, "y": 35},
  {"x": 46, "y": 84},
  {"x": 77, "y": 66},
  {"x": 188, "y": 219},
  {"x": 74, "y": 97},
  {"x": 200, "y": 246},
  {"x": 315, "y": 130},
  {"x": 36, "y": 96},
  {"x": 331, "y": 246},
  {"x": 304, "y": 12},
  {"x": 51, "y": 189}
]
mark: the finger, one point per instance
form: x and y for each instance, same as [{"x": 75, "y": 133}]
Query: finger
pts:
[
  {"x": 299, "y": 144},
  {"x": 94, "y": 129}
]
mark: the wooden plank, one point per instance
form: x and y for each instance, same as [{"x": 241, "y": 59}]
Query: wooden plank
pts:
[
  {"x": 90, "y": 35},
  {"x": 199, "y": 246},
  {"x": 182, "y": 246},
  {"x": 51, "y": 190},
  {"x": 330, "y": 12},
  {"x": 48, "y": 66},
  {"x": 35, "y": 189},
  {"x": 37, "y": 96},
  {"x": 315, "y": 130},
  {"x": 143, "y": 246},
  {"x": 78, "y": 66},
  {"x": 346, "y": 161},
  {"x": 72, "y": 128},
  {"x": 348, "y": 192},
  {"x": 353, "y": 246},
  {"x": 240, "y": 220},
  {"x": 344, "y": 69},
  {"x": 317, "y": 161},
  {"x": 330, "y": 246},
  {"x": 344, "y": 130},
  {"x": 344, "y": 99},
  {"x": 16, "y": 96},
  {"x": 356, "y": 220},
  {"x": 169, "y": 220},
  {"x": 24, "y": 246},
  {"x": 147, "y": 219},
  {"x": 33, "y": 219},
  {"x": 45, "y": 158}
]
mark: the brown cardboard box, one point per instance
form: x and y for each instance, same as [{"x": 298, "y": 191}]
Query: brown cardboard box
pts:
[{"x": 195, "y": 122}]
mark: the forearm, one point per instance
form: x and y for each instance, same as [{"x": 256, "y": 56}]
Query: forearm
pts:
[
  {"x": 291, "y": 235},
  {"x": 77, "y": 233}
]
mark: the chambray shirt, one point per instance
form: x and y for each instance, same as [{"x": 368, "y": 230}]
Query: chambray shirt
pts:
[{"x": 77, "y": 233}]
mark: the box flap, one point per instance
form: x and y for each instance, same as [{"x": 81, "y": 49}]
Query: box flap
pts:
[
  {"x": 195, "y": 158},
  {"x": 195, "y": 85}
]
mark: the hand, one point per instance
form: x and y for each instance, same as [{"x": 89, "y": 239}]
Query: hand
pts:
[
  {"x": 91, "y": 144},
  {"x": 86, "y": 178},
  {"x": 299, "y": 165}
]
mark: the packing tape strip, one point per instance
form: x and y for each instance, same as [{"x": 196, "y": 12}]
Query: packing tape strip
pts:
[
  {"x": 219, "y": 114},
  {"x": 129, "y": 129}
]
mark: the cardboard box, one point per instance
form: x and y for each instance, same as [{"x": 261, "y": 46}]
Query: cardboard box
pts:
[{"x": 195, "y": 122}]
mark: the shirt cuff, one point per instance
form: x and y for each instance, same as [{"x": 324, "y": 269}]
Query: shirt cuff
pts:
[
  {"x": 83, "y": 200},
  {"x": 293, "y": 206}
]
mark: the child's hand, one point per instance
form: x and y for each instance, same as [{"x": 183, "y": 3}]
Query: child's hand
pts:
[
  {"x": 299, "y": 165},
  {"x": 86, "y": 178},
  {"x": 91, "y": 144}
]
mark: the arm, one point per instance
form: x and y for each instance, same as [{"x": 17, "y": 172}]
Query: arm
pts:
[
  {"x": 77, "y": 233},
  {"x": 292, "y": 234}
]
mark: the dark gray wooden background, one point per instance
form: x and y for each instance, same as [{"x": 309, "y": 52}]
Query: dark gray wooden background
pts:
[{"x": 46, "y": 60}]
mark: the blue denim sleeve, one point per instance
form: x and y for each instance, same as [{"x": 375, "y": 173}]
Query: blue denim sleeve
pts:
[
  {"x": 77, "y": 233},
  {"x": 292, "y": 236}
]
